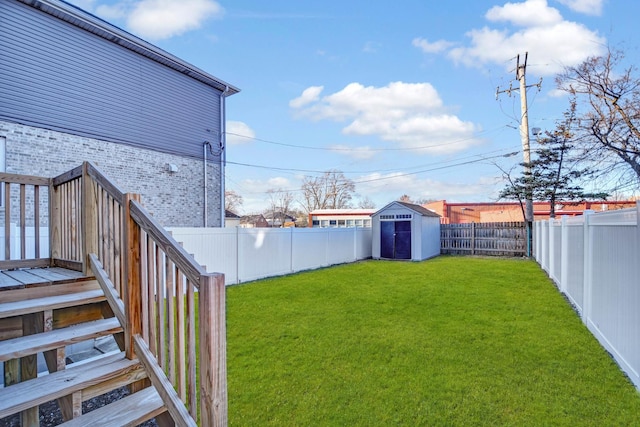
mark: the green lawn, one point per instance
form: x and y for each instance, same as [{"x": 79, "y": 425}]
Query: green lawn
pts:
[{"x": 447, "y": 342}]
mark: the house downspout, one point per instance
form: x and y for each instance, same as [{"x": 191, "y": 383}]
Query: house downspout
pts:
[
  {"x": 205, "y": 146},
  {"x": 223, "y": 152}
]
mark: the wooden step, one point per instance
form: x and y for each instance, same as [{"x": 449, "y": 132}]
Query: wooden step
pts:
[
  {"x": 129, "y": 411},
  {"x": 54, "y": 302},
  {"x": 37, "y": 277},
  {"x": 54, "y": 289},
  {"x": 31, "y": 344},
  {"x": 93, "y": 378}
]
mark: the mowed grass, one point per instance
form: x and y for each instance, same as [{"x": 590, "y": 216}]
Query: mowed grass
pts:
[{"x": 451, "y": 341}]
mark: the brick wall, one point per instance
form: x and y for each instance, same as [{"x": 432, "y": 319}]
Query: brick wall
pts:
[{"x": 174, "y": 199}]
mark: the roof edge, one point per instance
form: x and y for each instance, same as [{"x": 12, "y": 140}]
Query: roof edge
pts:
[{"x": 86, "y": 21}]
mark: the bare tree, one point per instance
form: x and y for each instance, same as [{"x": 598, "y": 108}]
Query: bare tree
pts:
[
  {"x": 280, "y": 202},
  {"x": 609, "y": 124},
  {"x": 331, "y": 190},
  {"x": 366, "y": 203},
  {"x": 232, "y": 201}
]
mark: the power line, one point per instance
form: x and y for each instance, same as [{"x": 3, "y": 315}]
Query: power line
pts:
[
  {"x": 306, "y": 147},
  {"x": 384, "y": 178},
  {"x": 283, "y": 169}
]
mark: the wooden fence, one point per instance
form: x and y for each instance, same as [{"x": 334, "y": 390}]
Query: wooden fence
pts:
[{"x": 493, "y": 238}]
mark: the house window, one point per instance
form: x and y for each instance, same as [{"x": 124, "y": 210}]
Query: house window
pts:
[
  {"x": 341, "y": 223},
  {"x": 403, "y": 216},
  {"x": 367, "y": 223},
  {"x": 324, "y": 223},
  {"x": 316, "y": 223},
  {"x": 358, "y": 223},
  {"x": 350, "y": 223},
  {"x": 332, "y": 222},
  {"x": 387, "y": 217}
]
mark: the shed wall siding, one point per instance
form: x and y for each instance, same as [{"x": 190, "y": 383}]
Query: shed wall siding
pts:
[
  {"x": 56, "y": 76},
  {"x": 174, "y": 199}
]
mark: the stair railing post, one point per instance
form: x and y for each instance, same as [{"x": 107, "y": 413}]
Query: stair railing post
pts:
[
  {"x": 132, "y": 280},
  {"x": 89, "y": 219},
  {"x": 55, "y": 238},
  {"x": 213, "y": 350}
]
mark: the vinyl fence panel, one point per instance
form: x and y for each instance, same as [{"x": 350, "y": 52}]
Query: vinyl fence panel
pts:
[
  {"x": 599, "y": 271},
  {"x": 245, "y": 254}
]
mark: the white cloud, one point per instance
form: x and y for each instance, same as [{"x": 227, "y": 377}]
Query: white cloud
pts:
[
  {"x": 309, "y": 95},
  {"x": 530, "y": 26},
  {"x": 239, "y": 133},
  {"x": 255, "y": 198},
  {"x": 432, "y": 47},
  {"x": 161, "y": 19},
  {"x": 362, "y": 153},
  {"x": 384, "y": 188},
  {"x": 410, "y": 114},
  {"x": 371, "y": 47},
  {"x": 525, "y": 14},
  {"x": 112, "y": 12},
  {"x": 589, "y": 7},
  {"x": 84, "y": 4}
]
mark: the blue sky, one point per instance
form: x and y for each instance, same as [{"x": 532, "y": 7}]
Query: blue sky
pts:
[{"x": 400, "y": 96}]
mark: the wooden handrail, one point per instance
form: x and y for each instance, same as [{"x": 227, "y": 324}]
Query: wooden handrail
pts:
[
  {"x": 24, "y": 179},
  {"x": 105, "y": 183},
  {"x": 178, "y": 255},
  {"x": 65, "y": 177}
]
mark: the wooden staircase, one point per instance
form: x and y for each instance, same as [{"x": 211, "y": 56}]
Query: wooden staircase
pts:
[
  {"x": 165, "y": 312},
  {"x": 46, "y": 318}
]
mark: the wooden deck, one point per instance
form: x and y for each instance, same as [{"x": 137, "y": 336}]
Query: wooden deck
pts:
[{"x": 31, "y": 277}]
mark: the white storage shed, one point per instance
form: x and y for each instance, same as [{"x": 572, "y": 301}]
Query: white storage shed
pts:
[{"x": 405, "y": 231}]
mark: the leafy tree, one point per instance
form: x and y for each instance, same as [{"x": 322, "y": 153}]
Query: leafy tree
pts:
[
  {"x": 331, "y": 190},
  {"x": 553, "y": 173},
  {"x": 608, "y": 92}
]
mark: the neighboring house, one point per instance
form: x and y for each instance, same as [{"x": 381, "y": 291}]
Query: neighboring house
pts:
[
  {"x": 74, "y": 87},
  {"x": 280, "y": 219},
  {"x": 461, "y": 213},
  {"x": 340, "y": 218},
  {"x": 405, "y": 231},
  {"x": 231, "y": 220},
  {"x": 253, "y": 221}
]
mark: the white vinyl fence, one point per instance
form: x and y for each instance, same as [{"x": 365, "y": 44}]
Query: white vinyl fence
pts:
[
  {"x": 30, "y": 238},
  {"x": 595, "y": 261},
  {"x": 245, "y": 254}
]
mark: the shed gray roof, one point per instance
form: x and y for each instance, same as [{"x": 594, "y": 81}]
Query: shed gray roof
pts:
[
  {"x": 416, "y": 208},
  {"x": 91, "y": 23}
]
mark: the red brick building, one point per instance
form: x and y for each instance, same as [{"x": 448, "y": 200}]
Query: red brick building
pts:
[{"x": 460, "y": 213}]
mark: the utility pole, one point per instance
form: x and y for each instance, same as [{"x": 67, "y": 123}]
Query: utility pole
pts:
[{"x": 521, "y": 71}]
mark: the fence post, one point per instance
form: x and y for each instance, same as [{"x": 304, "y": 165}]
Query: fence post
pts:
[
  {"x": 552, "y": 249},
  {"x": 213, "y": 350},
  {"x": 89, "y": 219},
  {"x": 473, "y": 238},
  {"x": 587, "y": 280},
  {"x": 564, "y": 255},
  {"x": 132, "y": 280}
]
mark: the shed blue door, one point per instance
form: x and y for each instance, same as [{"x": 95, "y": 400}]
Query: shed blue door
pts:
[
  {"x": 403, "y": 240},
  {"x": 395, "y": 239}
]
